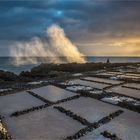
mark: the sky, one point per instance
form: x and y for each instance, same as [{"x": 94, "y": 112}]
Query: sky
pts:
[{"x": 97, "y": 27}]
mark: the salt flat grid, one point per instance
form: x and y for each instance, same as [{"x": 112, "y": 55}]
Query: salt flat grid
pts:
[
  {"x": 90, "y": 109},
  {"x": 125, "y": 91},
  {"x": 91, "y": 84},
  {"x": 53, "y": 93},
  {"x": 47, "y": 124},
  {"x": 94, "y": 135},
  {"x": 133, "y": 85},
  {"x": 18, "y": 101},
  {"x": 108, "y": 81},
  {"x": 126, "y": 126}
]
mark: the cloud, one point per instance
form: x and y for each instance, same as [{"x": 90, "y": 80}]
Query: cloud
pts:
[{"x": 84, "y": 21}]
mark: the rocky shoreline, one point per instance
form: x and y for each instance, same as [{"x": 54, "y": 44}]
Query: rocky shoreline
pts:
[{"x": 55, "y": 70}]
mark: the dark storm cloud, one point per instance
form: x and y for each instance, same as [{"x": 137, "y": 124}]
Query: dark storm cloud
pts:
[{"x": 84, "y": 20}]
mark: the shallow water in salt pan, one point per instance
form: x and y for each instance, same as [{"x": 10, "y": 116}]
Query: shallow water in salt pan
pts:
[
  {"x": 53, "y": 93},
  {"x": 126, "y": 126},
  {"x": 125, "y": 91},
  {"x": 18, "y": 101},
  {"x": 47, "y": 124},
  {"x": 91, "y": 84},
  {"x": 108, "y": 81},
  {"x": 89, "y": 108}
]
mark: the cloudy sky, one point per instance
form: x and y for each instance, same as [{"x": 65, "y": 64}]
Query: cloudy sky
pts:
[{"x": 97, "y": 27}]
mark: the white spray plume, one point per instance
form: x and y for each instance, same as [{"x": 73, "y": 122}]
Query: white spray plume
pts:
[
  {"x": 48, "y": 51},
  {"x": 63, "y": 45}
]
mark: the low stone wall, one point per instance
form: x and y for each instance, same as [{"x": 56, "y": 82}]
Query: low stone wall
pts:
[
  {"x": 41, "y": 98},
  {"x": 108, "y": 135},
  {"x": 73, "y": 115},
  {"x": 25, "y": 111}
]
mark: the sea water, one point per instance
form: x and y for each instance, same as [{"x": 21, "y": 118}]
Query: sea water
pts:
[{"x": 6, "y": 63}]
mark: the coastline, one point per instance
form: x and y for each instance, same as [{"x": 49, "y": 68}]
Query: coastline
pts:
[{"x": 6, "y": 63}]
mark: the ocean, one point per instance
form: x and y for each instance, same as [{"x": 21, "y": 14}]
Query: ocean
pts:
[{"x": 6, "y": 62}]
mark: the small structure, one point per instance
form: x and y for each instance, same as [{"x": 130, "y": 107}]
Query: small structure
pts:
[{"x": 108, "y": 61}]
